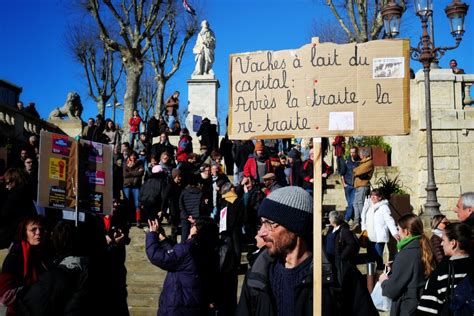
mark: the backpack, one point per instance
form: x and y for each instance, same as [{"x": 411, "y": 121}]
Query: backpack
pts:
[{"x": 462, "y": 299}]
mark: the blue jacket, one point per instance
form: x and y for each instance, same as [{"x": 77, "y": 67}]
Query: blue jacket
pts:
[
  {"x": 347, "y": 170},
  {"x": 181, "y": 289}
]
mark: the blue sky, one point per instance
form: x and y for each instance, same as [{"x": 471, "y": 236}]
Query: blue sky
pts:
[{"x": 34, "y": 57}]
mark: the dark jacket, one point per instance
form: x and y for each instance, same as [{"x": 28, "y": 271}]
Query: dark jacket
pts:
[
  {"x": 406, "y": 282},
  {"x": 159, "y": 148},
  {"x": 181, "y": 289},
  {"x": 151, "y": 192},
  {"x": 190, "y": 202},
  {"x": 470, "y": 222},
  {"x": 170, "y": 200},
  {"x": 225, "y": 148},
  {"x": 346, "y": 247},
  {"x": 62, "y": 291},
  {"x": 241, "y": 152},
  {"x": 437, "y": 248},
  {"x": 208, "y": 133},
  {"x": 256, "y": 297},
  {"x": 132, "y": 176},
  {"x": 346, "y": 170},
  {"x": 297, "y": 173}
]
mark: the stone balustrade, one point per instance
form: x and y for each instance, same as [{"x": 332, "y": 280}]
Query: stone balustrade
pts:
[{"x": 20, "y": 125}]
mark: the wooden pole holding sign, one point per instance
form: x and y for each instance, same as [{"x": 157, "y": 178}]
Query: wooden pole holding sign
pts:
[{"x": 317, "y": 227}]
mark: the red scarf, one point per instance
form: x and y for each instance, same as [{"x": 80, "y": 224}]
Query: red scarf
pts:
[
  {"x": 29, "y": 270},
  {"x": 107, "y": 223}
]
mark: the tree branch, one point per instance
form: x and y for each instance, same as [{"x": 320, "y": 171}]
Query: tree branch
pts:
[
  {"x": 122, "y": 24},
  {"x": 182, "y": 47},
  {"x": 362, "y": 13},
  {"x": 93, "y": 7},
  {"x": 351, "y": 14},
  {"x": 340, "y": 20}
]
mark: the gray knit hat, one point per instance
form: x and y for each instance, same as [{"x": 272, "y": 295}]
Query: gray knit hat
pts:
[{"x": 292, "y": 207}]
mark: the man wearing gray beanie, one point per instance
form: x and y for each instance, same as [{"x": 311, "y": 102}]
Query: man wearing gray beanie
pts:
[{"x": 280, "y": 282}]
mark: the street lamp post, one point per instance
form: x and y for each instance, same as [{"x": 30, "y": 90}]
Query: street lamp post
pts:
[
  {"x": 426, "y": 53},
  {"x": 114, "y": 106}
]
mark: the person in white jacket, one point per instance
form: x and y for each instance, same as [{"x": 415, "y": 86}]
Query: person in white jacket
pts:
[{"x": 378, "y": 221}]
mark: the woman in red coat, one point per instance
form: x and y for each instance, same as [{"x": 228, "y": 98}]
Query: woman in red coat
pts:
[{"x": 134, "y": 123}]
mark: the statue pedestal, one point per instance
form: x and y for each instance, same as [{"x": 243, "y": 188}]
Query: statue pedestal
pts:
[
  {"x": 72, "y": 127},
  {"x": 202, "y": 98}
]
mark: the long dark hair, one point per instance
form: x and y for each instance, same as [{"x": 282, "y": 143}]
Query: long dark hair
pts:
[
  {"x": 414, "y": 225},
  {"x": 461, "y": 233}
]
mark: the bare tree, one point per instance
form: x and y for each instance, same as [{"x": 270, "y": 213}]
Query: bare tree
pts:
[
  {"x": 360, "y": 19},
  {"x": 138, "y": 22},
  {"x": 148, "y": 92},
  {"x": 165, "y": 58},
  {"x": 102, "y": 69}
]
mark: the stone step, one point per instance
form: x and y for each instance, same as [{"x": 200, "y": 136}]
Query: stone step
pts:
[
  {"x": 143, "y": 300},
  {"x": 152, "y": 288},
  {"x": 142, "y": 311},
  {"x": 140, "y": 266}
]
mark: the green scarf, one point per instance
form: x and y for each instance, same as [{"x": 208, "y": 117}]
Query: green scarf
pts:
[{"x": 405, "y": 241}]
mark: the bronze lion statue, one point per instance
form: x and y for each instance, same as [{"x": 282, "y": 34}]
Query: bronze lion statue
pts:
[{"x": 72, "y": 108}]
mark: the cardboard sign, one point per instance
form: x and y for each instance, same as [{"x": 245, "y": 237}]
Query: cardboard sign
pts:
[
  {"x": 67, "y": 167},
  {"x": 321, "y": 90}
]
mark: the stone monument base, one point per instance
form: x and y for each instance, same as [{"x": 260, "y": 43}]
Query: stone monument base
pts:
[
  {"x": 72, "y": 127},
  {"x": 202, "y": 96}
]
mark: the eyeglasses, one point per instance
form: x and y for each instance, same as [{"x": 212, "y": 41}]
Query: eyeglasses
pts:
[{"x": 269, "y": 225}]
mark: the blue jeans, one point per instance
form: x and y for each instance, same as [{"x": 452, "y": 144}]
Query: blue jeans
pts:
[
  {"x": 171, "y": 120},
  {"x": 375, "y": 253},
  {"x": 134, "y": 191},
  {"x": 349, "y": 191},
  {"x": 133, "y": 137}
]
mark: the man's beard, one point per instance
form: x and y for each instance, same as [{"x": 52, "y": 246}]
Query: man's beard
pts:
[{"x": 283, "y": 246}]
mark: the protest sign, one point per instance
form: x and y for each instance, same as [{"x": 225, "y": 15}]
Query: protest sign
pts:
[
  {"x": 67, "y": 166},
  {"x": 322, "y": 89}
]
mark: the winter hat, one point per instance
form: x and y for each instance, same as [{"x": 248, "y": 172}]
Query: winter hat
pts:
[
  {"x": 294, "y": 154},
  {"x": 259, "y": 146},
  {"x": 175, "y": 172},
  {"x": 157, "y": 169},
  {"x": 291, "y": 207}
]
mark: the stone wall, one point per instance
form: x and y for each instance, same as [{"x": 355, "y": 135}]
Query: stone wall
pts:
[{"x": 453, "y": 141}]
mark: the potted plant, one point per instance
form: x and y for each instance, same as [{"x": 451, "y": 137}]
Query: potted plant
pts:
[{"x": 394, "y": 191}]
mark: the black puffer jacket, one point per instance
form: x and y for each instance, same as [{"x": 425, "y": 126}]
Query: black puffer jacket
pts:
[
  {"x": 190, "y": 202},
  {"x": 151, "y": 192}
]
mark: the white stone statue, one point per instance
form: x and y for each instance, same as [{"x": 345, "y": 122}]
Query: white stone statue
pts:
[{"x": 204, "y": 50}]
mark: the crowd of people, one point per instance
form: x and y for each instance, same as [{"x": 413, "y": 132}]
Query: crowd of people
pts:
[{"x": 220, "y": 201}]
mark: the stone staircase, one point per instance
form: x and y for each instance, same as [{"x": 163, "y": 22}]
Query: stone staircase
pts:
[{"x": 334, "y": 198}]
